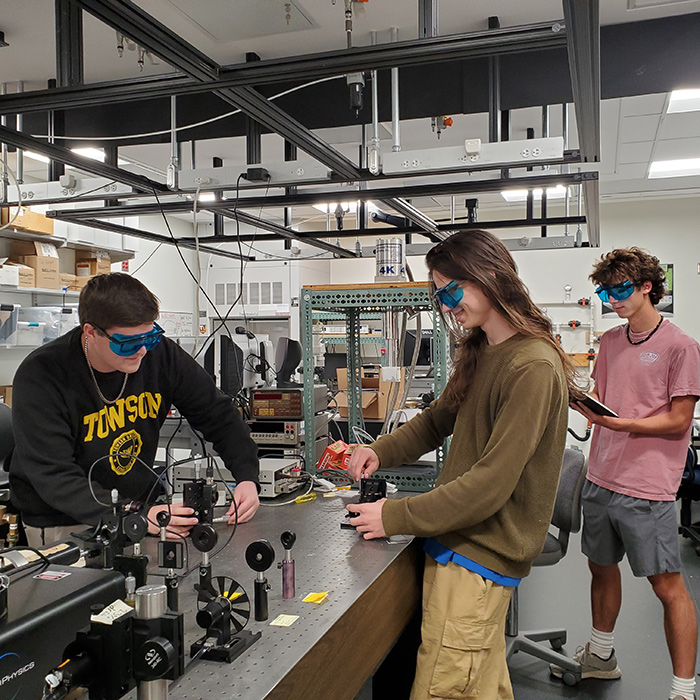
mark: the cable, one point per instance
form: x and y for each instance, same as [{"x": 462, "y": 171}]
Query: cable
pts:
[
  {"x": 294, "y": 499},
  {"x": 147, "y": 259},
  {"x": 186, "y": 126},
  {"x": 358, "y": 433}
]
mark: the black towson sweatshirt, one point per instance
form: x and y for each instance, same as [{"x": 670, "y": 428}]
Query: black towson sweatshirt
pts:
[{"x": 62, "y": 427}]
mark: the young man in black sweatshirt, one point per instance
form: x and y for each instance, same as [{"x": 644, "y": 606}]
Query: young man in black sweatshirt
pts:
[{"x": 99, "y": 396}]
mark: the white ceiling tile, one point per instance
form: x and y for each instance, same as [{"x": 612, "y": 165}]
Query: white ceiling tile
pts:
[
  {"x": 679, "y": 126},
  {"x": 673, "y": 149},
  {"x": 643, "y": 128},
  {"x": 634, "y": 152},
  {"x": 643, "y": 104},
  {"x": 629, "y": 171}
]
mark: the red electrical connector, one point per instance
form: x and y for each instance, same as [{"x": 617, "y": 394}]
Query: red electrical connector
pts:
[{"x": 574, "y": 324}]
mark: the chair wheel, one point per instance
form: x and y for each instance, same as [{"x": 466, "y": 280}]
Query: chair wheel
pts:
[
  {"x": 570, "y": 678},
  {"x": 557, "y": 643}
]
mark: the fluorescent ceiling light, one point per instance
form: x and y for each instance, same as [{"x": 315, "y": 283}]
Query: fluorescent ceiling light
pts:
[
  {"x": 92, "y": 153},
  {"x": 684, "y": 167},
  {"x": 348, "y": 207},
  {"x": 558, "y": 192},
  {"x": 96, "y": 154},
  {"x": 36, "y": 156},
  {"x": 207, "y": 197},
  {"x": 683, "y": 101}
]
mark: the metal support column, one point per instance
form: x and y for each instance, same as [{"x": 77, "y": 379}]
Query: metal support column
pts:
[
  {"x": 253, "y": 131},
  {"x": 307, "y": 344},
  {"x": 352, "y": 330},
  {"x": 69, "y": 44},
  {"x": 218, "y": 218},
  {"x": 494, "y": 90},
  {"x": 290, "y": 153},
  {"x": 56, "y": 127}
]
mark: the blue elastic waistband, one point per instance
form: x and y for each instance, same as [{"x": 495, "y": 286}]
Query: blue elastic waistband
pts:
[{"x": 442, "y": 555}]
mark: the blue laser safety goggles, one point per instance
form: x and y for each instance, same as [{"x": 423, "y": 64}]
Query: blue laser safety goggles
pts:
[
  {"x": 621, "y": 291},
  {"x": 450, "y": 295},
  {"x": 127, "y": 345}
]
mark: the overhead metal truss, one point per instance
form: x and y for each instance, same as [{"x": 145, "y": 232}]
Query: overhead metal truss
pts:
[
  {"x": 548, "y": 35},
  {"x": 310, "y": 198},
  {"x": 66, "y": 156},
  {"x": 160, "y": 238},
  {"x": 234, "y": 84}
]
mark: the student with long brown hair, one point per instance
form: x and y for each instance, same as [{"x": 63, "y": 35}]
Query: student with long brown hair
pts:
[{"x": 506, "y": 408}]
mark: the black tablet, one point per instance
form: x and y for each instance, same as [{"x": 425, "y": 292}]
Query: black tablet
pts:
[{"x": 600, "y": 408}]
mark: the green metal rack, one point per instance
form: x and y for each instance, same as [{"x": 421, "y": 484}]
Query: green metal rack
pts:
[{"x": 353, "y": 303}]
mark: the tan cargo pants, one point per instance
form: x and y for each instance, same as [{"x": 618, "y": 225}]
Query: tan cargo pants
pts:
[{"x": 462, "y": 652}]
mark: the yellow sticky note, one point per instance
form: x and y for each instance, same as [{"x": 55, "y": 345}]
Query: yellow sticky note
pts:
[
  {"x": 316, "y": 597},
  {"x": 284, "y": 620}
]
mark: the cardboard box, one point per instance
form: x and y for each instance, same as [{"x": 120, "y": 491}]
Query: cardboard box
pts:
[
  {"x": 43, "y": 257},
  {"x": 79, "y": 283},
  {"x": 346, "y": 456},
  {"x": 6, "y": 394},
  {"x": 92, "y": 262},
  {"x": 375, "y": 392},
  {"x": 27, "y": 220},
  {"x": 65, "y": 279},
  {"x": 332, "y": 456},
  {"x": 26, "y": 274},
  {"x": 9, "y": 274}
]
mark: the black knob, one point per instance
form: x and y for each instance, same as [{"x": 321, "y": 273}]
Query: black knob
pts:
[{"x": 288, "y": 538}]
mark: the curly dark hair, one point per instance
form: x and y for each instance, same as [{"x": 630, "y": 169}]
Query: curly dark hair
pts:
[{"x": 633, "y": 264}]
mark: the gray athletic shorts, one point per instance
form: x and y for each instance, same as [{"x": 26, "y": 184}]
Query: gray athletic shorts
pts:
[{"x": 647, "y": 531}]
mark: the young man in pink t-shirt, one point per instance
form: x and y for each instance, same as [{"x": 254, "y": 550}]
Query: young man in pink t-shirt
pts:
[{"x": 648, "y": 372}]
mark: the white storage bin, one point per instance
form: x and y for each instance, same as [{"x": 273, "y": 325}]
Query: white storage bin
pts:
[
  {"x": 9, "y": 316},
  {"x": 30, "y": 333},
  {"x": 56, "y": 319}
]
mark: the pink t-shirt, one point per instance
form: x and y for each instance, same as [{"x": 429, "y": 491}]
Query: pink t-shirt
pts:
[{"x": 639, "y": 381}]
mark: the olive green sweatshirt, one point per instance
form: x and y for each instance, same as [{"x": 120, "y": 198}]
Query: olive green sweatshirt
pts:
[{"x": 494, "y": 497}]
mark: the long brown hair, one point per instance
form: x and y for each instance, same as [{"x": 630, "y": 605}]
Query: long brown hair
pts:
[{"x": 482, "y": 259}]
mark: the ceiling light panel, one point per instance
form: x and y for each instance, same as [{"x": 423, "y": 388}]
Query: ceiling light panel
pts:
[
  {"x": 685, "y": 167},
  {"x": 642, "y": 4},
  {"x": 684, "y": 101},
  {"x": 557, "y": 192}
]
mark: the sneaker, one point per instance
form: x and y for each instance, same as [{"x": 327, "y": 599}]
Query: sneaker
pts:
[
  {"x": 592, "y": 666},
  {"x": 680, "y": 697}
]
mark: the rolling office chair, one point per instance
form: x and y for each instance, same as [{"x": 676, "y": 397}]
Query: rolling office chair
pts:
[
  {"x": 567, "y": 519},
  {"x": 689, "y": 491},
  {"x": 287, "y": 359}
]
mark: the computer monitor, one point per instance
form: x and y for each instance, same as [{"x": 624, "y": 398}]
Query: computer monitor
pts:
[
  {"x": 332, "y": 361},
  {"x": 425, "y": 352},
  {"x": 231, "y": 366}
]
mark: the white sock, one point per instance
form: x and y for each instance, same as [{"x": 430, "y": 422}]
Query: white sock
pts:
[
  {"x": 685, "y": 687},
  {"x": 601, "y": 643}
]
